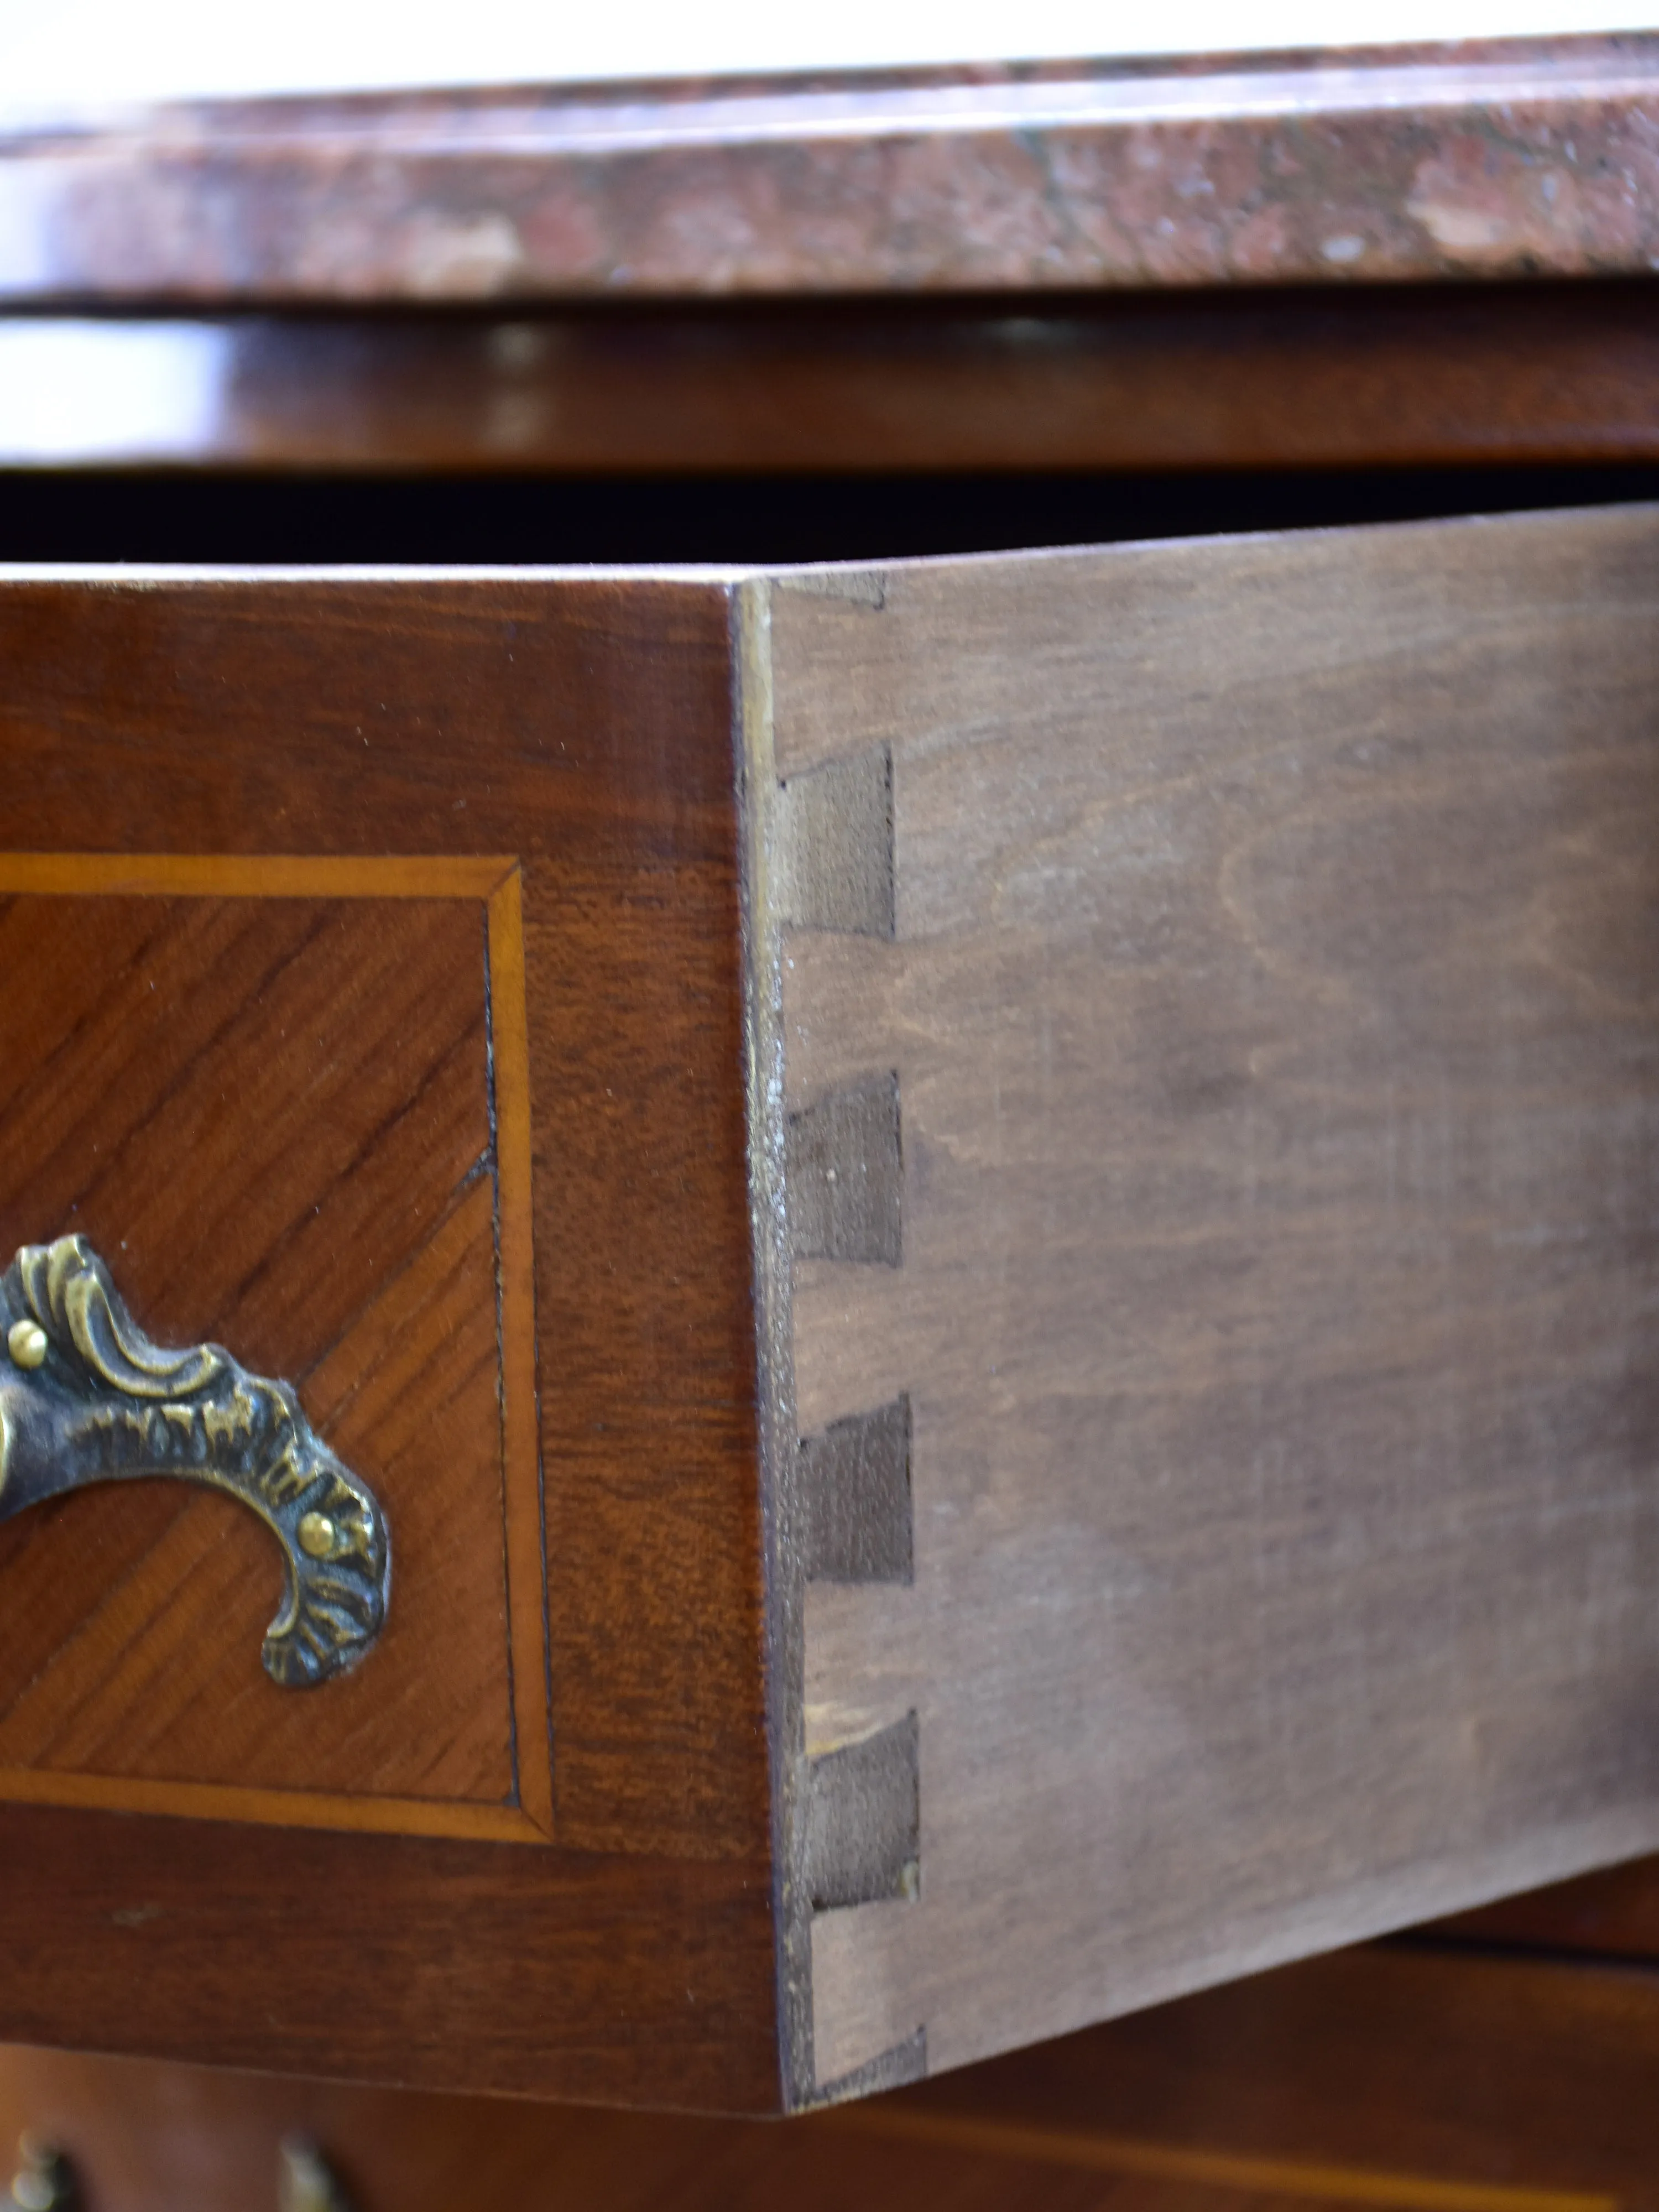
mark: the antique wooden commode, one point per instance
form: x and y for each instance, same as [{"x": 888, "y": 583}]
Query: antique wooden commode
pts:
[{"x": 880, "y": 1304}]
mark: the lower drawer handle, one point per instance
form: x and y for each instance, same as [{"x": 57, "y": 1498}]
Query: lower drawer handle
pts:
[{"x": 86, "y": 1397}]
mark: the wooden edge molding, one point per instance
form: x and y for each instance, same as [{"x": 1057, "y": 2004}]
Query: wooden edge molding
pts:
[
  {"x": 1524, "y": 156},
  {"x": 1346, "y": 377},
  {"x": 827, "y": 1183},
  {"x": 495, "y": 882}
]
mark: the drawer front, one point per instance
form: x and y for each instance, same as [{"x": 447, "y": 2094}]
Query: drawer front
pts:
[
  {"x": 1407, "y": 2079},
  {"x": 371, "y": 1010},
  {"x": 288, "y": 1100}
]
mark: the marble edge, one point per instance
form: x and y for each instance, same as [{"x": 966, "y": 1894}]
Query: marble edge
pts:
[{"x": 1482, "y": 159}]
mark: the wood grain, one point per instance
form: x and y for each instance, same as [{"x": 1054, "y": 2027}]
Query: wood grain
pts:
[
  {"x": 1272, "y": 1010},
  {"x": 442, "y": 1427},
  {"x": 1471, "y": 2073},
  {"x": 581, "y": 725},
  {"x": 1405, "y": 2084},
  {"x": 1612, "y": 1914},
  {"x": 274, "y": 1119},
  {"x": 1331, "y": 376}
]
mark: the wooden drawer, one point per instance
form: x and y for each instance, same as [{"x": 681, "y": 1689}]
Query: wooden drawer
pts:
[
  {"x": 984, "y": 1232},
  {"x": 1414, "y": 2079}
]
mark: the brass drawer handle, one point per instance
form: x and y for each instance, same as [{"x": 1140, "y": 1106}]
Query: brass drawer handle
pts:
[
  {"x": 306, "y": 2181},
  {"x": 86, "y": 1397},
  {"x": 44, "y": 2180}
]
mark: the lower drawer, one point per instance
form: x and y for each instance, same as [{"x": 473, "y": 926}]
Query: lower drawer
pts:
[
  {"x": 866, "y": 1310},
  {"x": 1418, "y": 2081}
]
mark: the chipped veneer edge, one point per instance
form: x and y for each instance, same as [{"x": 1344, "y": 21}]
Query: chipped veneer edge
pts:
[
  {"x": 781, "y": 1505},
  {"x": 782, "y": 1501}
]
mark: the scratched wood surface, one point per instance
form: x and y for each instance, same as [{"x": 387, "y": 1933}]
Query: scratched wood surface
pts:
[
  {"x": 1271, "y": 1005},
  {"x": 582, "y": 725},
  {"x": 1415, "y": 2082},
  {"x": 271, "y": 1117}
]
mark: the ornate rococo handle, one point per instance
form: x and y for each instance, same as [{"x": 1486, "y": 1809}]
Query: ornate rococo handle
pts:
[{"x": 86, "y": 1397}]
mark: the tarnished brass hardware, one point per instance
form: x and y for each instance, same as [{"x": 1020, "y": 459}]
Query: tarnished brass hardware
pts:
[
  {"x": 44, "y": 2179},
  {"x": 306, "y": 2181},
  {"x": 26, "y": 1340},
  {"x": 86, "y": 1397}
]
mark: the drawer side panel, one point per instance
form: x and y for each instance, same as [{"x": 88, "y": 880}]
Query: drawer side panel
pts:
[{"x": 1274, "y": 1009}]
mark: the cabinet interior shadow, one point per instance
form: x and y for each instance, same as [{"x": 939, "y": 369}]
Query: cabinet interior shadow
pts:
[{"x": 161, "y": 516}]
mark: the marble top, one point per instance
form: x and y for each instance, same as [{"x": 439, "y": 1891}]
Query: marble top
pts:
[{"x": 1496, "y": 159}]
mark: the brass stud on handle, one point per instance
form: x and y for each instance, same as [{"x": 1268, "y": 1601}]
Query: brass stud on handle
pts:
[
  {"x": 306, "y": 2182},
  {"x": 44, "y": 2182},
  {"x": 26, "y": 1340},
  {"x": 316, "y": 1534}
]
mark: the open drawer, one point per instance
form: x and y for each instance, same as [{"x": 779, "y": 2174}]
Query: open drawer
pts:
[{"x": 956, "y": 1267}]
